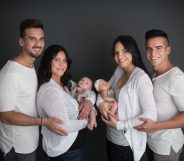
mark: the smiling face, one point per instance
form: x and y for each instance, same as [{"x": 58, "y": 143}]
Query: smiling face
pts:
[
  {"x": 122, "y": 57},
  {"x": 58, "y": 66},
  {"x": 157, "y": 51},
  {"x": 32, "y": 42},
  {"x": 85, "y": 83}
]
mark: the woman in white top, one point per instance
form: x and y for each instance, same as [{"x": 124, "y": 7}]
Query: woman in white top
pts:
[
  {"x": 133, "y": 91},
  {"x": 54, "y": 100}
]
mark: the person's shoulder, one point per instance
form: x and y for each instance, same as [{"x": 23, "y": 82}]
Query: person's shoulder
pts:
[
  {"x": 139, "y": 73},
  {"x": 177, "y": 71},
  {"x": 176, "y": 75},
  {"x": 48, "y": 86}
]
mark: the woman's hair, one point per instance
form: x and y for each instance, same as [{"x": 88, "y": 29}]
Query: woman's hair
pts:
[
  {"x": 131, "y": 46},
  {"x": 44, "y": 71}
]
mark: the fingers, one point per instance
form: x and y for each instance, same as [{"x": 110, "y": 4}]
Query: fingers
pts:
[
  {"x": 58, "y": 121},
  {"x": 61, "y": 132},
  {"x": 84, "y": 115},
  {"x": 91, "y": 126},
  {"x": 105, "y": 115}
]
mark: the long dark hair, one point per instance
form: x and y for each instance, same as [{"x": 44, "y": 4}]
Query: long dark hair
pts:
[
  {"x": 131, "y": 46},
  {"x": 44, "y": 71}
]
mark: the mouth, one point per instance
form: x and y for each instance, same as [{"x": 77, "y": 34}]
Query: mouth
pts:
[
  {"x": 122, "y": 60},
  {"x": 154, "y": 58},
  {"x": 60, "y": 69},
  {"x": 37, "y": 49}
]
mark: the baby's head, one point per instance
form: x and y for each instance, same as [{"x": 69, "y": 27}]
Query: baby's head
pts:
[
  {"x": 85, "y": 83},
  {"x": 102, "y": 85}
]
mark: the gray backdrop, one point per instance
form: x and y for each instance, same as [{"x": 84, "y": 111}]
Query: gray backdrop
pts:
[{"x": 87, "y": 29}]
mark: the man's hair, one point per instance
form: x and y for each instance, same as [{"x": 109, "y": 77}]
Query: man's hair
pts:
[
  {"x": 30, "y": 23},
  {"x": 156, "y": 33}
]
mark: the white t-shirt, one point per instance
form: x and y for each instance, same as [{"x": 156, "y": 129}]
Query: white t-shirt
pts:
[
  {"x": 18, "y": 87},
  {"x": 54, "y": 101},
  {"x": 169, "y": 97}
]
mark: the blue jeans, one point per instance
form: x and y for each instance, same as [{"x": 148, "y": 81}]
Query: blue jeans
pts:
[{"x": 71, "y": 155}]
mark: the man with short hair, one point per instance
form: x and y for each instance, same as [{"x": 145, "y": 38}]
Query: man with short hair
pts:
[
  {"x": 19, "y": 130},
  {"x": 165, "y": 138}
]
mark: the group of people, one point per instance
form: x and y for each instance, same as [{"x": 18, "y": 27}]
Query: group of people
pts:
[{"x": 137, "y": 108}]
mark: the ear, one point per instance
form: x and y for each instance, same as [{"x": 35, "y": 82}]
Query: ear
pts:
[
  {"x": 21, "y": 41},
  {"x": 168, "y": 50}
]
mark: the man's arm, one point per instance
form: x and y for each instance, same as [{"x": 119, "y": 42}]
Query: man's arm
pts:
[
  {"x": 150, "y": 125},
  {"x": 20, "y": 119}
]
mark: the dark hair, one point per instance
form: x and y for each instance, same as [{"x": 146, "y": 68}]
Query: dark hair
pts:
[
  {"x": 156, "y": 33},
  {"x": 30, "y": 23},
  {"x": 131, "y": 46},
  {"x": 44, "y": 71}
]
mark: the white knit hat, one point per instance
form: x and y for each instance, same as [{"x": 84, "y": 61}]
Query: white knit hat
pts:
[{"x": 96, "y": 84}]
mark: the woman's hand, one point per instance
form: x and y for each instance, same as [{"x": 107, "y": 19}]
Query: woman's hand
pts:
[
  {"x": 85, "y": 109},
  {"x": 111, "y": 121},
  {"x": 104, "y": 109},
  {"x": 92, "y": 120}
]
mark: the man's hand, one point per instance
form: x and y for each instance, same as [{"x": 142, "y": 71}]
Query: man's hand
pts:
[
  {"x": 148, "y": 125},
  {"x": 53, "y": 124}
]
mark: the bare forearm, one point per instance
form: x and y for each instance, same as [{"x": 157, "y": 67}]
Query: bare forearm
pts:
[
  {"x": 176, "y": 122},
  {"x": 19, "y": 119}
]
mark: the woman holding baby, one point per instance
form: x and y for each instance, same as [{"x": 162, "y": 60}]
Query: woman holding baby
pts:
[{"x": 132, "y": 89}]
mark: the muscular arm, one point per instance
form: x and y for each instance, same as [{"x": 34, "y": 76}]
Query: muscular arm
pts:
[
  {"x": 19, "y": 119},
  {"x": 150, "y": 125}
]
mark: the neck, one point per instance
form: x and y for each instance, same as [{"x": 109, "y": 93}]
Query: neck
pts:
[
  {"x": 163, "y": 69},
  {"x": 57, "y": 80},
  {"x": 129, "y": 70},
  {"x": 24, "y": 60}
]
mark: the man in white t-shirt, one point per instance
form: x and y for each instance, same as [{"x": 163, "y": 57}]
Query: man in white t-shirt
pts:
[
  {"x": 19, "y": 131},
  {"x": 165, "y": 138}
]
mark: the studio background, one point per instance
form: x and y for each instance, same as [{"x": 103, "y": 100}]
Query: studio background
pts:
[{"x": 87, "y": 30}]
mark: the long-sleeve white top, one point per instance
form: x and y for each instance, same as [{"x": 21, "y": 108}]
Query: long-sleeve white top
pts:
[
  {"x": 135, "y": 100},
  {"x": 54, "y": 101}
]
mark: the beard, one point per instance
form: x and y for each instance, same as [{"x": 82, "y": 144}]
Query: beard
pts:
[{"x": 35, "y": 54}]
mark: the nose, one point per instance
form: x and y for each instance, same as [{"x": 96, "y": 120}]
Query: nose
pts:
[
  {"x": 39, "y": 42},
  {"x": 154, "y": 52},
  {"x": 120, "y": 55}
]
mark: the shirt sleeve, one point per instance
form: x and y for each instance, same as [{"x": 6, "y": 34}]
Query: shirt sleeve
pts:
[
  {"x": 53, "y": 106},
  {"x": 177, "y": 92},
  {"x": 91, "y": 97},
  {"x": 9, "y": 87}
]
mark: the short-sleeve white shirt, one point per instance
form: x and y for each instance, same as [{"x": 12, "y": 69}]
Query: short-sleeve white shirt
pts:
[
  {"x": 169, "y": 97},
  {"x": 18, "y": 87}
]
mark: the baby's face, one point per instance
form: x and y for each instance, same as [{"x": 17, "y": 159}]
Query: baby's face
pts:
[
  {"x": 85, "y": 83},
  {"x": 104, "y": 86}
]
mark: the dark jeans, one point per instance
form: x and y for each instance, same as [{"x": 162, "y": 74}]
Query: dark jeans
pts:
[
  {"x": 1, "y": 155},
  {"x": 121, "y": 153},
  {"x": 13, "y": 156},
  {"x": 118, "y": 153},
  {"x": 71, "y": 155}
]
